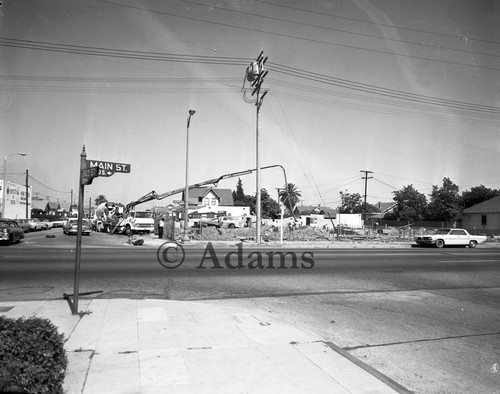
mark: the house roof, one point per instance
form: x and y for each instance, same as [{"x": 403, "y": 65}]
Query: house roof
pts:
[
  {"x": 38, "y": 204},
  {"x": 52, "y": 205},
  {"x": 488, "y": 206},
  {"x": 225, "y": 196},
  {"x": 64, "y": 206},
  {"x": 385, "y": 207}
]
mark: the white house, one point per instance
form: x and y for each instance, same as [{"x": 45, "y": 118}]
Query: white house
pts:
[{"x": 210, "y": 199}]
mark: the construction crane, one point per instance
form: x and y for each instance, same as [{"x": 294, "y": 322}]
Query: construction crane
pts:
[{"x": 155, "y": 196}]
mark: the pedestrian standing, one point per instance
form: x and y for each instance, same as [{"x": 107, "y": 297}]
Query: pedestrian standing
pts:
[{"x": 161, "y": 224}]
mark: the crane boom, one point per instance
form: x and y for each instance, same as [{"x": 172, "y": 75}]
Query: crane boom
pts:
[
  {"x": 152, "y": 195},
  {"x": 155, "y": 196}
]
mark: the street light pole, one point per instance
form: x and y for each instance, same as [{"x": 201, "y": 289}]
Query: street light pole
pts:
[
  {"x": 185, "y": 236},
  {"x": 27, "y": 193},
  {"x": 4, "y": 187}
]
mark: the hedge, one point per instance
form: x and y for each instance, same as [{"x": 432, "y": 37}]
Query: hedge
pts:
[{"x": 32, "y": 356}]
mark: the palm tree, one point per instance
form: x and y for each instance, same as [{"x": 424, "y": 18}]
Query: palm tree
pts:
[
  {"x": 289, "y": 196},
  {"x": 100, "y": 199}
]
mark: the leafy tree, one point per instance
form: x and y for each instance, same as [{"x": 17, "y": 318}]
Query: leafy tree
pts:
[
  {"x": 290, "y": 197},
  {"x": 353, "y": 203},
  {"x": 350, "y": 203},
  {"x": 411, "y": 205},
  {"x": 477, "y": 195},
  {"x": 445, "y": 202},
  {"x": 100, "y": 199},
  {"x": 270, "y": 207}
]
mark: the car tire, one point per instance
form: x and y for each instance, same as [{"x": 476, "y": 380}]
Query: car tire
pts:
[
  {"x": 231, "y": 225},
  {"x": 128, "y": 230},
  {"x": 439, "y": 243},
  {"x": 472, "y": 244}
]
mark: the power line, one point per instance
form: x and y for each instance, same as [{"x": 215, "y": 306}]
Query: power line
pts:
[
  {"x": 377, "y": 23},
  {"x": 283, "y": 69},
  {"x": 373, "y": 89},
  {"x": 405, "y": 179},
  {"x": 295, "y": 37},
  {"x": 329, "y": 28},
  {"x": 388, "y": 101},
  {"x": 48, "y": 187},
  {"x": 383, "y": 183},
  {"x": 119, "y": 53}
]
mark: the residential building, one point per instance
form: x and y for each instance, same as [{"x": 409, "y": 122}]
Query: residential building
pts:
[
  {"x": 383, "y": 209},
  {"x": 211, "y": 199},
  {"x": 484, "y": 216}
]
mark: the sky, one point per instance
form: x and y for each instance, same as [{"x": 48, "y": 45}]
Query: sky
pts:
[{"x": 408, "y": 90}]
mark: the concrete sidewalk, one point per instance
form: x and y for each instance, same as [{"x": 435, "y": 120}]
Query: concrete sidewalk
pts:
[{"x": 158, "y": 346}]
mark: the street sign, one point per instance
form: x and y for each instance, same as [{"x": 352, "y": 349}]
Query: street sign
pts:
[
  {"x": 108, "y": 168},
  {"x": 88, "y": 174}
]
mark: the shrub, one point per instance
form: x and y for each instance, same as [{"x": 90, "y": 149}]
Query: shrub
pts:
[{"x": 32, "y": 356}]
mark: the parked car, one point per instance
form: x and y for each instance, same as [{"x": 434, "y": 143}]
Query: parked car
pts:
[
  {"x": 58, "y": 222},
  {"x": 36, "y": 225},
  {"x": 228, "y": 222},
  {"x": 71, "y": 226},
  {"x": 24, "y": 224},
  {"x": 450, "y": 237},
  {"x": 10, "y": 232},
  {"x": 47, "y": 224}
]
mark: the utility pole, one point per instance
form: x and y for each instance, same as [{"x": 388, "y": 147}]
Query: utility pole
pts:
[
  {"x": 27, "y": 190},
  {"x": 255, "y": 74},
  {"x": 366, "y": 177}
]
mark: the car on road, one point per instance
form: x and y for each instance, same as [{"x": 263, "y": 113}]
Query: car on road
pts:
[
  {"x": 10, "y": 232},
  {"x": 59, "y": 222},
  {"x": 71, "y": 226},
  {"x": 36, "y": 224},
  {"x": 450, "y": 237},
  {"x": 24, "y": 224}
]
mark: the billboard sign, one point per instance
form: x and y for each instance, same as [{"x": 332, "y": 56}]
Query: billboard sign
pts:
[{"x": 15, "y": 207}]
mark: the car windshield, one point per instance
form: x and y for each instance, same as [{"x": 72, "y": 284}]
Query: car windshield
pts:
[
  {"x": 442, "y": 231},
  {"x": 75, "y": 221},
  {"x": 143, "y": 214}
]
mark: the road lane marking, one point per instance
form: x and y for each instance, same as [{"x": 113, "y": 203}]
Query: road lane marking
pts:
[{"x": 468, "y": 261}]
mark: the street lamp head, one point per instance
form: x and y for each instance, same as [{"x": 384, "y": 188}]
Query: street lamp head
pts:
[
  {"x": 14, "y": 154},
  {"x": 192, "y": 112}
]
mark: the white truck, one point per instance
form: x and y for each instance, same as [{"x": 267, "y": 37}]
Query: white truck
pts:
[
  {"x": 450, "y": 237},
  {"x": 136, "y": 222}
]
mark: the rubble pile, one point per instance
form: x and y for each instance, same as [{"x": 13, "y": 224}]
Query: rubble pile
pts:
[{"x": 268, "y": 233}]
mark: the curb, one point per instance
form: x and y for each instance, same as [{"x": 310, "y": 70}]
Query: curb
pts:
[{"x": 372, "y": 371}]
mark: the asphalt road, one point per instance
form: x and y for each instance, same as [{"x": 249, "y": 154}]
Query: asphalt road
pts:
[{"x": 427, "y": 318}]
